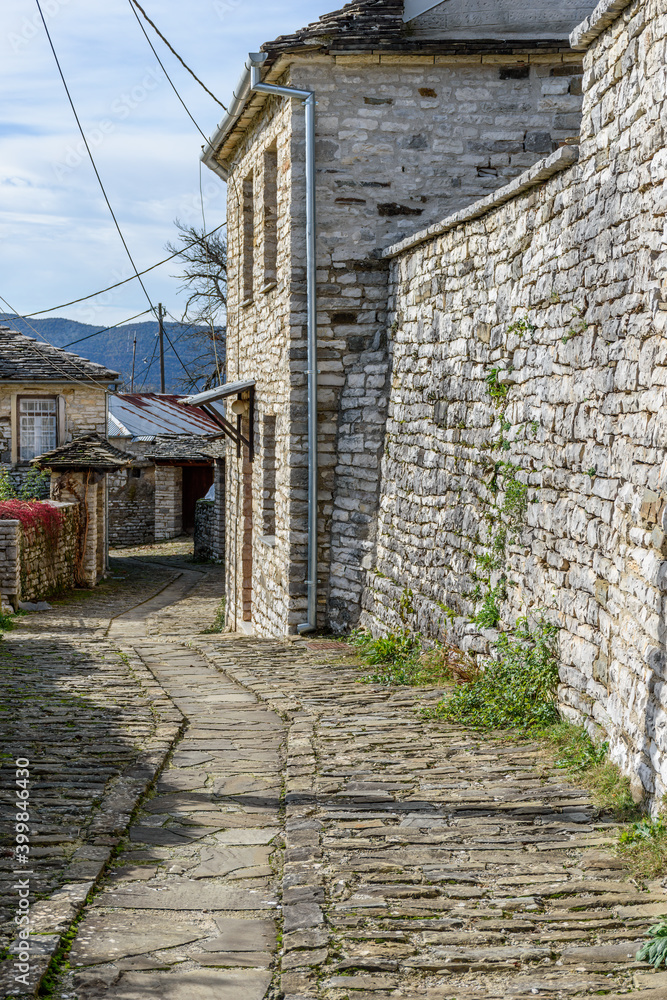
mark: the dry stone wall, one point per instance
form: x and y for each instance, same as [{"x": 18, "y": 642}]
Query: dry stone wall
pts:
[
  {"x": 132, "y": 506},
  {"x": 529, "y": 390},
  {"x": 35, "y": 564}
]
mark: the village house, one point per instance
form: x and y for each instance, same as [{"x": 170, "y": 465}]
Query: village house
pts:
[
  {"x": 178, "y": 457},
  {"x": 53, "y": 415},
  {"x": 343, "y": 138},
  {"x": 48, "y": 397}
]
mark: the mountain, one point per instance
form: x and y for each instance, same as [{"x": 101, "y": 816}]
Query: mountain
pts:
[{"x": 114, "y": 349}]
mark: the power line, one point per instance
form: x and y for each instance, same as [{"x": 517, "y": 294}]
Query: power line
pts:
[
  {"x": 106, "y": 329},
  {"x": 177, "y": 354},
  {"x": 85, "y": 298},
  {"x": 173, "y": 50},
  {"x": 150, "y": 365},
  {"x": 92, "y": 159},
  {"x": 171, "y": 82},
  {"x": 61, "y": 371}
]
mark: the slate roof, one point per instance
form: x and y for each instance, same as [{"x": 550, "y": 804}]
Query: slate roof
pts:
[
  {"x": 91, "y": 451},
  {"x": 186, "y": 448},
  {"x": 24, "y": 359},
  {"x": 365, "y": 25},
  {"x": 362, "y": 24}
]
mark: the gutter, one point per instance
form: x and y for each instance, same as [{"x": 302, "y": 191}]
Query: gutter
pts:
[
  {"x": 240, "y": 99},
  {"x": 251, "y": 82}
]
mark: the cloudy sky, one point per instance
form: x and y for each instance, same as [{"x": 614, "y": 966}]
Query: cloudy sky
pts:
[{"x": 57, "y": 240}]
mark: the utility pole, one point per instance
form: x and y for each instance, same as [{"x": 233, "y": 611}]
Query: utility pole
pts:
[
  {"x": 160, "y": 313},
  {"x": 134, "y": 358}
]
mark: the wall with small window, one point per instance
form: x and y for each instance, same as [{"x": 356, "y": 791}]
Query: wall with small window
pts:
[{"x": 36, "y": 417}]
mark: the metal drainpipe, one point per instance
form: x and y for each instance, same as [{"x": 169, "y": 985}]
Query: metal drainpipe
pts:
[{"x": 308, "y": 98}]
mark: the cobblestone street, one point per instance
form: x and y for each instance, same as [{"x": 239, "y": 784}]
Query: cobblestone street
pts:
[{"x": 235, "y": 818}]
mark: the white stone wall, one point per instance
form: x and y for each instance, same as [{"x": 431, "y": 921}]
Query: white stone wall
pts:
[
  {"x": 168, "y": 501},
  {"x": 563, "y": 291},
  {"x": 401, "y": 141}
]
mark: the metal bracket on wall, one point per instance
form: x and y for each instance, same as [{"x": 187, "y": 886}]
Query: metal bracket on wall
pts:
[
  {"x": 235, "y": 433},
  {"x": 238, "y": 389}
]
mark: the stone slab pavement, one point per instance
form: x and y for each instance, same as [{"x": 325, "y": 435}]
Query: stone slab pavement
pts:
[{"x": 313, "y": 837}]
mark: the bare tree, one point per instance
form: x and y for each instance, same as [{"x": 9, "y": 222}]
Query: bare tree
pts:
[{"x": 204, "y": 278}]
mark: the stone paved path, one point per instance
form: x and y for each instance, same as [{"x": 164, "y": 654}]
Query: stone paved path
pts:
[
  {"x": 420, "y": 860},
  {"x": 95, "y": 731}
]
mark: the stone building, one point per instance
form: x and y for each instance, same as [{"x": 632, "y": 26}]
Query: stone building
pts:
[
  {"x": 178, "y": 456},
  {"x": 78, "y": 475},
  {"x": 422, "y": 108},
  {"x": 48, "y": 397}
]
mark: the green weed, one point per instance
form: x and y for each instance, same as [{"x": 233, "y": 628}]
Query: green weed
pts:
[
  {"x": 644, "y": 847},
  {"x": 497, "y": 390},
  {"x": 488, "y": 615},
  {"x": 517, "y": 689},
  {"x": 655, "y": 951},
  {"x": 218, "y": 623}
]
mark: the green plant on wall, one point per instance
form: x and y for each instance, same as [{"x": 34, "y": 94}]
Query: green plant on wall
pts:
[
  {"x": 507, "y": 512},
  {"x": 578, "y": 327},
  {"x": 496, "y": 389},
  {"x": 7, "y": 491},
  {"x": 35, "y": 486},
  {"x": 521, "y": 328}
]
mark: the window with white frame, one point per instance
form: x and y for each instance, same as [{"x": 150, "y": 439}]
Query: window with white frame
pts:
[{"x": 38, "y": 426}]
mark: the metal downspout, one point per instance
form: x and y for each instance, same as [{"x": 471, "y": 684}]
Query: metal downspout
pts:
[{"x": 308, "y": 97}]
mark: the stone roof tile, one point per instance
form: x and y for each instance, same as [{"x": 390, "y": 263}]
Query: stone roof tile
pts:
[
  {"x": 24, "y": 359},
  {"x": 361, "y": 24},
  {"x": 90, "y": 451},
  {"x": 187, "y": 448}
]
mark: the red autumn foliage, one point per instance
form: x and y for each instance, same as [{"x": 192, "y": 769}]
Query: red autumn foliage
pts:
[{"x": 33, "y": 514}]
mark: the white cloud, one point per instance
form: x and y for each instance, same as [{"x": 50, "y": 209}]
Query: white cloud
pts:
[{"x": 57, "y": 240}]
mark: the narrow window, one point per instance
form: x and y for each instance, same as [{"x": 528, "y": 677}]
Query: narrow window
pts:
[
  {"x": 248, "y": 237},
  {"x": 270, "y": 216},
  {"x": 269, "y": 475},
  {"x": 38, "y": 426}
]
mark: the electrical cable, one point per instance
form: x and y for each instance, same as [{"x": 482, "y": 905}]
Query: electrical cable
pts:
[
  {"x": 50, "y": 361},
  {"x": 85, "y": 298},
  {"x": 150, "y": 365},
  {"x": 178, "y": 357},
  {"x": 106, "y": 330},
  {"x": 92, "y": 159},
  {"x": 173, "y": 50},
  {"x": 171, "y": 82}
]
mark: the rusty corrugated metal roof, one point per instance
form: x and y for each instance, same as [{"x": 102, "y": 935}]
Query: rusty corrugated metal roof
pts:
[{"x": 141, "y": 414}]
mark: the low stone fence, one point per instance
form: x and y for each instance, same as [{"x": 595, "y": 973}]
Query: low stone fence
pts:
[
  {"x": 132, "y": 506},
  {"x": 39, "y": 558},
  {"x": 204, "y": 518}
]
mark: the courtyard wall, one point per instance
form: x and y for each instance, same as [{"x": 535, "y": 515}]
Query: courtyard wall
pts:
[
  {"x": 35, "y": 562},
  {"x": 529, "y": 394}
]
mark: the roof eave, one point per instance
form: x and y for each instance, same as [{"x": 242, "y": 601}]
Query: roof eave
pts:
[{"x": 241, "y": 97}]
